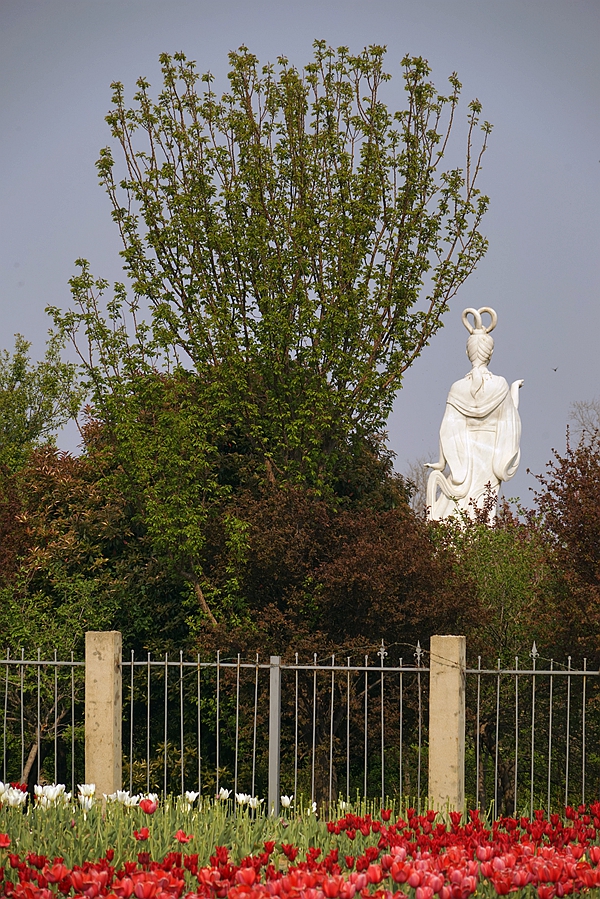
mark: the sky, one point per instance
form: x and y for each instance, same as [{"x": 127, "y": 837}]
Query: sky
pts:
[{"x": 533, "y": 64}]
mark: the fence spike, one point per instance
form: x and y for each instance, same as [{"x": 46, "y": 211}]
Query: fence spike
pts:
[{"x": 418, "y": 653}]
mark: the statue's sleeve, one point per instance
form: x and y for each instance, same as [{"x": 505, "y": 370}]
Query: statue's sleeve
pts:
[
  {"x": 508, "y": 437},
  {"x": 454, "y": 444}
]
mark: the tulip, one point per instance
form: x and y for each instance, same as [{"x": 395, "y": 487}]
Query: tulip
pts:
[
  {"x": 145, "y": 889},
  {"x": 86, "y": 789},
  {"x": 246, "y": 876},
  {"x": 225, "y": 794},
  {"x": 286, "y": 801},
  {"x": 142, "y": 834},
  {"x": 182, "y": 837},
  {"x": 4, "y": 841},
  {"x": 149, "y": 805},
  {"x": 15, "y": 798}
]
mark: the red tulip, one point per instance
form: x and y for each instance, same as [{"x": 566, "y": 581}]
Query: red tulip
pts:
[
  {"x": 145, "y": 889},
  {"x": 142, "y": 834},
  {"x": 4, "y": 841},
  {"x": 148, "y": 805},
  {"x": 182, "y": 837},
  {"x": 246, "y": 876}
]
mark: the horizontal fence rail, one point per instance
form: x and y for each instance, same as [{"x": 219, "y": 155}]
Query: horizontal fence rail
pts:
[
  {"x": 529, "y": 733},
  {"x": 42, "y": 719}
]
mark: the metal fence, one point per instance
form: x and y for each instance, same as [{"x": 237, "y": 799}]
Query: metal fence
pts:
[
  {"x": 329, "y": 727},
  {"x": 42, "y": 720},
  {"x": 321, "y": 727},
  {"x": 533, "y": 734}
]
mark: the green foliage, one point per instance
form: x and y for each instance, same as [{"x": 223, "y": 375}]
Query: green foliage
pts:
[
  {"x": 35, "y": 400},
  {"x": 296, "y": 244},
  {"x": 508, "y": 566}
]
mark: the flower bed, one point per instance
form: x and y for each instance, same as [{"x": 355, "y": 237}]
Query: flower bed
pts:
[{"x": 152, "y": 850}]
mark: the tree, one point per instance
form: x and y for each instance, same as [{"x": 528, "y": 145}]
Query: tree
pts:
[
  {"x": 585, "y": 415},
  {"x": 569, "y": 501},
  {"x": 297, "y": 245},
  {"x": 35, "y": 401}
]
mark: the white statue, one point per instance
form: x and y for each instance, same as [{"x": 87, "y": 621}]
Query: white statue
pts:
[{"x": 480, "y": 432}]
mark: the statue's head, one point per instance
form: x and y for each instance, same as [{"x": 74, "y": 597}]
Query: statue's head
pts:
[{"x": 480, "y": 345}]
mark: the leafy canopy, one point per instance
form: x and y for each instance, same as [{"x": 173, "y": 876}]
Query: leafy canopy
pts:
[
  {"x": 35, "y": 400},
  {"x": 294, "y": 239},
  {"x": 291, "y": 246}
]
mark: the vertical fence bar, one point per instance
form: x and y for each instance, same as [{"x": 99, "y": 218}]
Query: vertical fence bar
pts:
[
  {"x": 477, "y": 736},
  {"x": 72, "y": 725},
  {"x": 181, "y": 721},
  {"x": 497, "y": 741},
  {"x": 516, "y": 734},
  {"x": 255, "y": 725},
  {"x": 382, "y": 654},
  {"x": 366, "y": 725},
  {"x": 218, "y": 734},
  {"x": 550, "y": 701},
  {"x": 534, "y": 655},
  {"x": 237, "y": 726},
  {"x": 568, "y": 732},
  {"x": 148, "y": 727},
  {"x": 131, "y": 724},
  {"x": 314, "y": 730},
  {"x": 5, "y": 716},
  {"x": 295, "y": 734},
  {"x": 22, "y": 672},
  {"x": 55, "y": 718},
  {"x": 274, "y": 733},
  {"x": 400, "y": 734},
  {"x": 331, "y": 729},
  {"x": 348, "y": 730},
  {"x": 199, "y": 722},
  {"x": 39, "y": 714},
  {"x": 418, "y": 655},
  {"x": 583, "y": 734},
  {"x": 165, "y": 725}
]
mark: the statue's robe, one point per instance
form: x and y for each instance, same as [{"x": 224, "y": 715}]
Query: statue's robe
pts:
[{"x": 479, "y": 441}]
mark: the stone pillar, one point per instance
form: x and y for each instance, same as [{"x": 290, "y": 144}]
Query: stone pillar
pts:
[
  {"x": 103, "y": 716},
  {"x": 447, "y": 722}
]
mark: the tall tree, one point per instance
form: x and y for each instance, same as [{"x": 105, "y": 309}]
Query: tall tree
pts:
[{"x": 296, "y": 244}]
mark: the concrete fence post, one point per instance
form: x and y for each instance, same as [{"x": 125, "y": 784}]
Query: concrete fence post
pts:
[
  {"x": 274, "y": 733},
  {"x": 447, "y": 666},
  {"x": 103, "y": 711}
]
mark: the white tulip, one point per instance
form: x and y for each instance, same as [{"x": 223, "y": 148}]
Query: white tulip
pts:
[
  {"x": 15, "y": 798},
  {"x": 286, "y": 801},
  {"x": 86, "y": 789},
  {"x": 224, "y": 794}
]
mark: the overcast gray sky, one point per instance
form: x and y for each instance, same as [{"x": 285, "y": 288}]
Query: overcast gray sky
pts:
[{"x": 534, "y": 65}]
